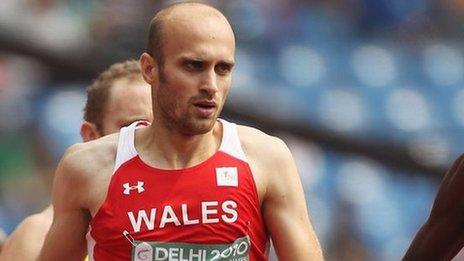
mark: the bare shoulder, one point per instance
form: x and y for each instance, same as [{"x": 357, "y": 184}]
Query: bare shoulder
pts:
[
  {"x": 269, "y": 159},
  {"x": 260, "y": 146},
  {"x": 81, "y": 170},
  {"x": 81, "y": 159},
  {"x": 27, "y": 239}
]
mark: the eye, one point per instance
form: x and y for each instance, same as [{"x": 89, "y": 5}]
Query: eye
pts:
[
  {"x": 193, "y": 65},
  {"x": 223, "y": 68}
]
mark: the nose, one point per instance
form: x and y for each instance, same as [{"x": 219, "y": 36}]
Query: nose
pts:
[{"x": 209, "y": 82}]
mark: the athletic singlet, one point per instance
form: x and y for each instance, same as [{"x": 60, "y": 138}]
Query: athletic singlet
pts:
[{"x": 210, "y": 211}]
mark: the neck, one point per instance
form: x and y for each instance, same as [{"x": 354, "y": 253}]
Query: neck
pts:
[{"x": 165, "y": 148}]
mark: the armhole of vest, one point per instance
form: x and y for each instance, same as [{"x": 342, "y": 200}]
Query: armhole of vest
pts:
[
  {"x": 126, "y": 146},
  {"x": 230, "y": 143}
]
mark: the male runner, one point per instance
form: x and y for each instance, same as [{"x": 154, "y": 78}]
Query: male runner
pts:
[
  {"x": 190, "y": 186},
  {"x": 116, "y": 98},
  {"x": 442, "y": 235}
]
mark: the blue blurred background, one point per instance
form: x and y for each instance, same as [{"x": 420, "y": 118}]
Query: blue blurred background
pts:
[{"x": 362, "y": 77}]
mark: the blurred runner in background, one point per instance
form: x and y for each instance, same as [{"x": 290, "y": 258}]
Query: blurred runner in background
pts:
[{"x": 118, "y": 97}]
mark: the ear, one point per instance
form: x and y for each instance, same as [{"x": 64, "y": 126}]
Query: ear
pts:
[
  {"x": 149, "y": 69},
  {"x": 89, "y": 131}
]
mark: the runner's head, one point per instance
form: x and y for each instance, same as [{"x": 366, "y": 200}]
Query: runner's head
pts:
[
  {"x": 188, "y": 63},
  {"x": 116, "y": 98}
]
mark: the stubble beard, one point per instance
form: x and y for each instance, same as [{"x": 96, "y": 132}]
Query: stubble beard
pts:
[{"x": 184, "y": 122}]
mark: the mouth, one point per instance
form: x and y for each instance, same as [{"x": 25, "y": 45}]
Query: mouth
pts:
[
  {"x": 206, "y": 104},
  {"x": 205, "y": 108}
]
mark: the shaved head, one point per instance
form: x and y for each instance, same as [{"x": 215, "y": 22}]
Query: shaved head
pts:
[
  {"x": 180, "y": 16},
  {"x": 190, "y": 57}
]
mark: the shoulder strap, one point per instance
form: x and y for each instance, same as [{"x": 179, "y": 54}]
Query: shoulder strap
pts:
[
  {"x": 126, "y": 146},
  {"x": 230, "y": 143}
]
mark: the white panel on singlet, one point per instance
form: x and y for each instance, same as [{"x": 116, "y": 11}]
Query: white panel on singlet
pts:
[
  {"x": 126, "y": 147},
  {"x": 230, "y": 141}
]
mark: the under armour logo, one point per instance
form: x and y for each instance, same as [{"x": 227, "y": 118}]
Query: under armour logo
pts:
[{"x": 128, "y": 188}]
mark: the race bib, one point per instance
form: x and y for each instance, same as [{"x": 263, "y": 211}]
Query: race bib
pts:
[{"x": 157, "y": 251}]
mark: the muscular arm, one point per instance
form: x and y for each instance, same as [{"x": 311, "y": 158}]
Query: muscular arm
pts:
[
  {"x": 283, "y": 202},
  {"x": 285, "y": 212},
  {"x": 66, "y": 237},
  {"x": 27, "y": 239},
  {"x": 442, "y": 235}
]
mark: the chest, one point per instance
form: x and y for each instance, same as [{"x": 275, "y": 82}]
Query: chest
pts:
[{"x": 143, "y": 198}]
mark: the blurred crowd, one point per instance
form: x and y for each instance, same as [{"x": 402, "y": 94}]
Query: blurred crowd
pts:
[{"x": 388, "y": 70}]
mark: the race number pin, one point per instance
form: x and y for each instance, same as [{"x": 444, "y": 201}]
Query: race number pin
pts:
[{"x": 143, "y": 252}]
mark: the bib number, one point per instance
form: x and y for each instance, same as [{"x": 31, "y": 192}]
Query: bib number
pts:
[{"x": 157, "y": 251}]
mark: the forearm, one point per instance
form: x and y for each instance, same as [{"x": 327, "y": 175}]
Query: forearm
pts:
[
  {"x": 438, "y": 240},
  {"x": 299, "y": 244},
  {"x": 292, "y": 233}
]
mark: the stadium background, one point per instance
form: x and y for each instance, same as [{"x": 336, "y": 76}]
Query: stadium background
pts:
[{"x": 367, "y": 93}]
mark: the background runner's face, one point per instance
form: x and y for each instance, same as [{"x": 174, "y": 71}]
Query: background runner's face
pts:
[
  {"x": 129, "y": 101},
  {"x": 196, "y": 76}
]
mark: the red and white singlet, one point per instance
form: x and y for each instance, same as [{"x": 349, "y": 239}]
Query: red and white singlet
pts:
[{"x": 210, "y": 211}]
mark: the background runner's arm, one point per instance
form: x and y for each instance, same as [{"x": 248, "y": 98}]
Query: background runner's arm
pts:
[
  {"x": 66, "y": 237},
  {"x": 442, "y": 236},
  {"x": 284, "y": 209},
  {"x": 27, "y": 239}
]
